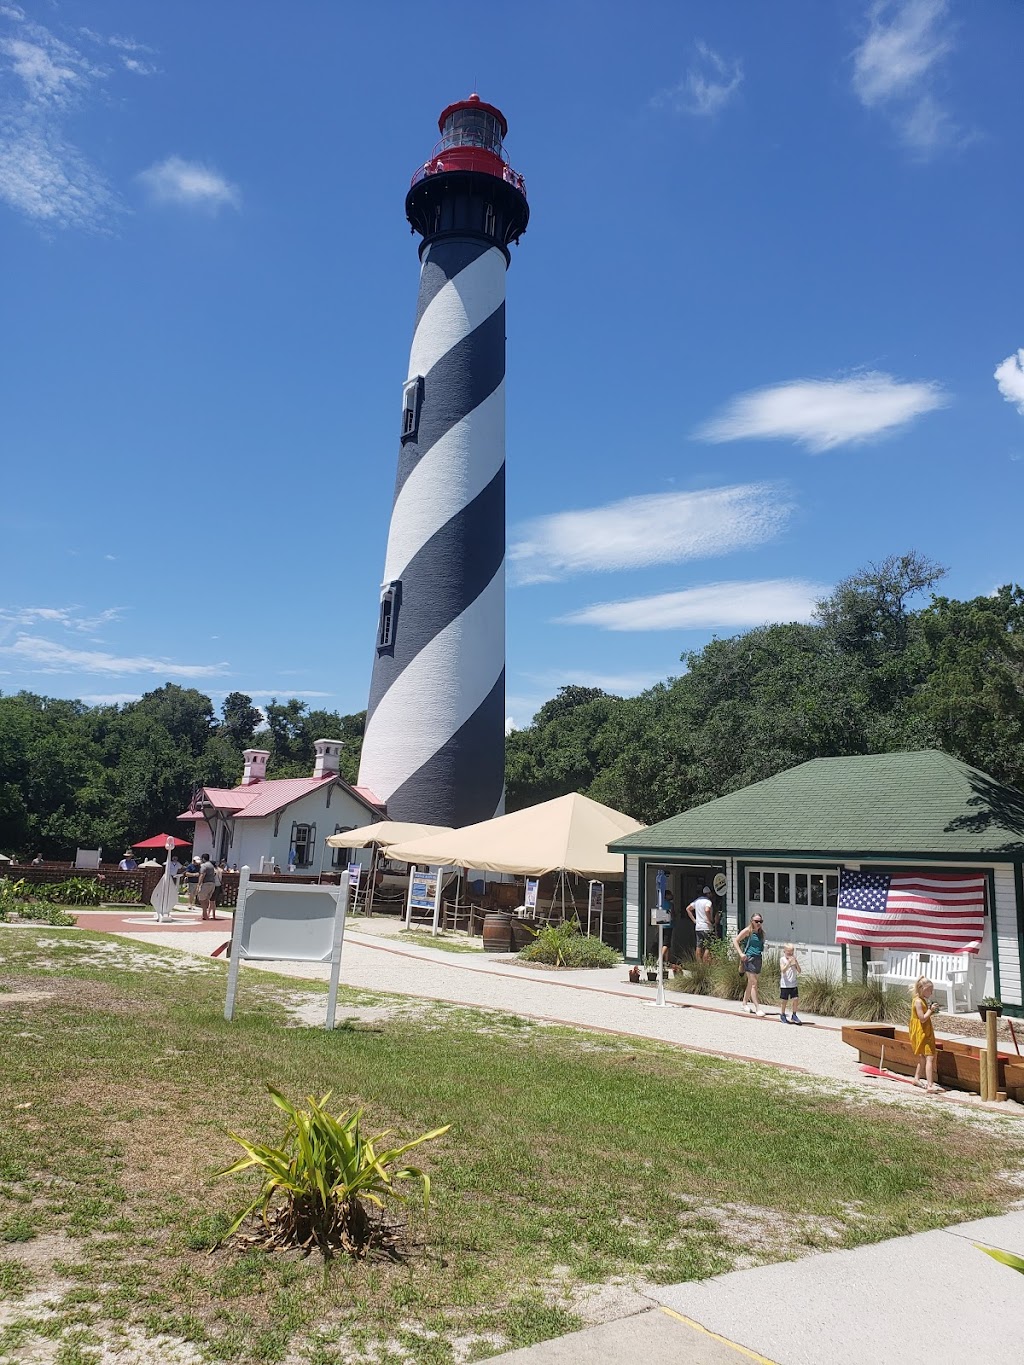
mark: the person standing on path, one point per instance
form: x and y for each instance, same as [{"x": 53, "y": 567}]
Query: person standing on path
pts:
[
  {"x": 704, "y": 918},
  {"x": 205, "y": 885},
  {"x": 191, "y": 882},
  {"x": 749, "y": 943},
  {"x": 922, "y": 1032},
  {"x": 789, "y": 984}
]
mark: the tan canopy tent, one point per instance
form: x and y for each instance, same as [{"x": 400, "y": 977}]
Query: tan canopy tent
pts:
[
  {"x": 569, "y": 834},
  {"x": 385, "y": 833}
]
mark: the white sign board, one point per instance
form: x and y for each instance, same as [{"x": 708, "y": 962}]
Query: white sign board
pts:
[
  {"x": 530, "y": 899},
  {"x": 282, "y": 923},
  {"x": 355, "y": 871}
]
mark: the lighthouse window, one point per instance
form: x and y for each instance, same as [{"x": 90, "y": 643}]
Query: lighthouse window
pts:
[
  {"x": 388, "y": 611},
  {"x": 411, "y": 397},
  {"x": 489, "y": 220}
]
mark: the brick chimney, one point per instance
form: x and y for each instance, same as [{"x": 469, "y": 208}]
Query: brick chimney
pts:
[
  {"x": 328, "y": 755},
  {"x": 255, "y": 769}
]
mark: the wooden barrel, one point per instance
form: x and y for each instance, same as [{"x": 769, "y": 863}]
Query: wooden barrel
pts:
[
  {"x": 497, "y": 932},
  {"x": 524, "y": 931}
]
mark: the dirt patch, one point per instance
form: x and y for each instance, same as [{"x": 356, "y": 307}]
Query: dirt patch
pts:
[
  {"x": 89, "y": 995},
  {"x": 40, "y": 1253}
]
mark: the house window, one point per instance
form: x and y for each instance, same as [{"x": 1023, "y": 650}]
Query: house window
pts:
[
  {"x": 388, "y": 613},
  {"x": 793, "y": 888},
  {"x": 303, "y": 843},
  {"x": 412, "y": 397},
  {"x": 341, "y": 857}
]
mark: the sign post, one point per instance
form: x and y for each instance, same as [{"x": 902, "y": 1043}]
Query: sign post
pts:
[{"x": 282, "y": 923}]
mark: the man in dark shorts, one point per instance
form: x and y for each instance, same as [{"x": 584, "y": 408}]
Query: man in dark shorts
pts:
[{"x": 704, "y": 918}]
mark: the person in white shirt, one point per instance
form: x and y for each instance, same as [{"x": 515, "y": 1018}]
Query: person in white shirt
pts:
[{"x": 704, "y": 918}]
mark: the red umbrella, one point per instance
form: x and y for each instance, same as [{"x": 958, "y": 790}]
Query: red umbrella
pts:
[{"x": 160, "y": 841}]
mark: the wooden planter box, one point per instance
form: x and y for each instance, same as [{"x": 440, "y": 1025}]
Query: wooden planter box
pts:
[{"x": 958, "y": 1065}]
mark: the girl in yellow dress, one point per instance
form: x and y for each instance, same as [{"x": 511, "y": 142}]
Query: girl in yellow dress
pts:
[{"x": 922, "y": 1031}]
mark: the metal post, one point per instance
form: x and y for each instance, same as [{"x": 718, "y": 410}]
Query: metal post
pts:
[
  {"x": 342, "y": 903},
  {"x": 236, "y": 944}
]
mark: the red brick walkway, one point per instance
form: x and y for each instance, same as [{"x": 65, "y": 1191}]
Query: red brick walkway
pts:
[{"x": 136, "y": 920}]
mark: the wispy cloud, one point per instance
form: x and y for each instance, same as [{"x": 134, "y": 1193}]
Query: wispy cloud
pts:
[
  {"x": 1009, "y": 375},
  {"x": 49, "y": 657},
  {"x": 895, "y": 65},
  {"x": 109, "y": 698},
  {"x": 655, "y": 528},
  {"x": 284, "y": 692},
  {"x": 43, "y": 175},
  {"x": 822, "y": 413},
  {"x": 128, "y": 51},
  {"x": 709, "y": 84},
  {"x": 716, "y": 606},
  {"x": 71, "y": 618},
  {"x": 177, "y": 181}
]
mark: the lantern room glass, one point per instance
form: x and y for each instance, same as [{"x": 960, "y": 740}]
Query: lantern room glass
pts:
[{"x": 472, "y": 128}]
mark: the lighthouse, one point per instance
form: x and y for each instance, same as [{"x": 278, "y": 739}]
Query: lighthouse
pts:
[{"x": 434, "y": 748}]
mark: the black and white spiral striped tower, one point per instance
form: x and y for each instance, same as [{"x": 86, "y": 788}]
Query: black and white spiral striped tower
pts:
[{"x": 434, "y": 748}]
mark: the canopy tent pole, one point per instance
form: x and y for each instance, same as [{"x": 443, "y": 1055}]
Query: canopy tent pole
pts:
[{"x": 368, "y": 899}]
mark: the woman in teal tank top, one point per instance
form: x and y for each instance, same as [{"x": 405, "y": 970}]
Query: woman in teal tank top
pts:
[{"x": 749, "y": 943}]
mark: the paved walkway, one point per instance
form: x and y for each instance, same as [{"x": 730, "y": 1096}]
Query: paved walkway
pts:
[{"x": 909, "y": 1301}]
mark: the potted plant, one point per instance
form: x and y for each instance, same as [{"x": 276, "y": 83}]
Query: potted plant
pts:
[
  {"x": 990, "y": 1005},
  {"x": 634, "y": 975},
  {"x": 651, "y": 963}
]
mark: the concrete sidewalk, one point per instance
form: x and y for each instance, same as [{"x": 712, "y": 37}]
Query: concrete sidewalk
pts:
[{"x": 908, "y": 1301}]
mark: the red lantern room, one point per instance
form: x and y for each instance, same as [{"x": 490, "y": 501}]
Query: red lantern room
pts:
[{"x": 467, "y": 184}]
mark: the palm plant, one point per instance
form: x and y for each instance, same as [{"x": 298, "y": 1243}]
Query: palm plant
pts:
[{"x": 317, "y": 1182}]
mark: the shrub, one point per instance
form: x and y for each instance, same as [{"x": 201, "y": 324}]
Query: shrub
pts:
[
  {"x": 821, "y": 993},
  {"x": 315, "y": 1183},
  {"x": 565, "y": 945},
  {"x": 120, "y": 895},
  {"x": 873, "y": 1002},
  {"x": 696, "y": 977},
  {"x": 75, "y": 891},
  {"x": 40, "y": 911}
]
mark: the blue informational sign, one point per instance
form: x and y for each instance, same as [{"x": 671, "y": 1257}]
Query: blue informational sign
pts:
[
  {"x": 530, "y": 899},
  {"x": 423, "y": 888},
  {"x": 355, "y": 871}
]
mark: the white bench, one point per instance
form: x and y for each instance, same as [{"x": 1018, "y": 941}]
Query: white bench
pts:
[{"x": 951, "y": 973}]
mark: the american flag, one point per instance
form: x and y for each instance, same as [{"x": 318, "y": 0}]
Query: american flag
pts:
[{"x": 941, "y": 912}]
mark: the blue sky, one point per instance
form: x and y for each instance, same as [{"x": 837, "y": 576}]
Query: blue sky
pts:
[{"x": 765, "y": 326}]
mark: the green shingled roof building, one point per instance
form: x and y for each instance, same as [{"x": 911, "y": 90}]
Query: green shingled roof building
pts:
[{"x": 781, "y": 844}]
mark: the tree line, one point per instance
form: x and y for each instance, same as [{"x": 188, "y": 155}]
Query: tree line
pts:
[
  {"x": 76, "y": 776},
  {"x": 872, "y": 673}
]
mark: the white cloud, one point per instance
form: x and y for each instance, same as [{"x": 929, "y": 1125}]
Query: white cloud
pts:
[
  {"x": 893, "y": 66},
  {"x": 50, "y": 657},
  {"x": 109, "y": 698},
  {"x": 43, "y": 175},
  {"x": 708, "y": 86},
  {"x": 655, "y": 528},
  {"x": 69, "y": 617},
  {"x": 282, "y": 693},
  {"x": 177, "y": 181},
  {"x": 712, "y": 607},
  {"x": 822, "y": 413},
  {"x": 1009, "y": 375}
]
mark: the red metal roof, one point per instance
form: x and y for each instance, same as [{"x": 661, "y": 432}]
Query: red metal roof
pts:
[{"x": 265, "y": 798}]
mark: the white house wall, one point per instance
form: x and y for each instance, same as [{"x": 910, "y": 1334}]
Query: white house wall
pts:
[
  {"x": 254, "y": 838},
  {"x": 1006, "y": 937}
]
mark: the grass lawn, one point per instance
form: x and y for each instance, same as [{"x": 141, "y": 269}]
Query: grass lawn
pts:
[
  {"x": 448, "y": 943},
  {"x": 573, "y": 1159}
]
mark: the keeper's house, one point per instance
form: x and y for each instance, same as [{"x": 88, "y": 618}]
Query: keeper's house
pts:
[{"x": 780, "y": 845}]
